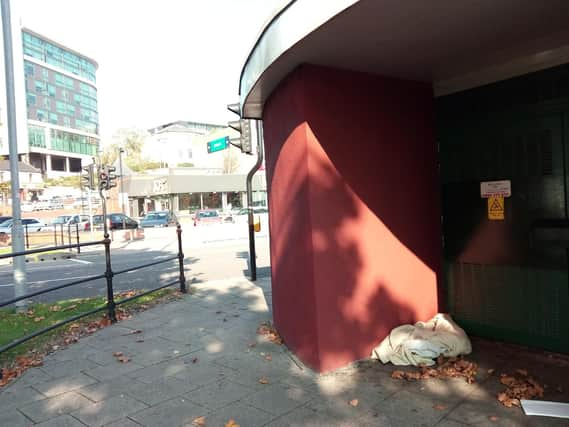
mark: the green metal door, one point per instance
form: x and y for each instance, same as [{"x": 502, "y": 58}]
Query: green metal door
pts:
[{"x": 507, "y": 279}]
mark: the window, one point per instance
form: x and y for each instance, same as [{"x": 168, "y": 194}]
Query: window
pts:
[
  {"x": 61, "y": 107},
  {"x": 51, "y": 90},
  {"x": 47, "y": 103},
  {"x": 30, "y": 99},
  {"x": 41, "y": 115},
  {"x": 53, "y": 118},
  {"x": 29, "y": 68},
  {"x": 40, "y": 86}
]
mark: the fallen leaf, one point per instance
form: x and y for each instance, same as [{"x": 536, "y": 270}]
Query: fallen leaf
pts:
[
  {"x": 263, "y": 380},
  {"x": 39, "y": 319},
  {"x": 117, "y": 353},
  {"x": 253, "y": 344},
  {"x": 440, "y": 407},
  {"x": 268, "y": 357},
  {"x": 522, "y": 372},
  {"x": 199, "y": 422},
  {"x": 493, "y": 418},
  {"x": 55, "y": 308},
  {"x": 123, "y": 359},
  {"x": 398, "y": 375},
  {"x": 490, "y": 371},
  {"x": 270, "y": 333},
  {"x": 70, "y": 307},
  {"x": 354, "y": 402},
  {"x": 231, "y": 423}
]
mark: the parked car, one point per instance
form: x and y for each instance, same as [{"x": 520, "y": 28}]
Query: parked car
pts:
[
  {"x": 206, "y": 217},
  {"x": 242, "y": 216},
  {"x": 4, "y": 218},
  {"x": 31, "y": 224},
  {"x": 158, "y": 219},
  {"x": 115, "y": 222},
  {"x": 66, "y": 221}
]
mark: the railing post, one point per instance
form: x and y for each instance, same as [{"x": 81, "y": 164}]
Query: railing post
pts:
[
  {"x": 109, "y": 275},
  {"x": 183, "y": 288},
  {"x": 27, "y": 237},
  {"x": 69, "y": 236},
  {"x": 62, "y": 235},
  {"x": 77, "y": 231},
  {"x": 55, "y": 234}
]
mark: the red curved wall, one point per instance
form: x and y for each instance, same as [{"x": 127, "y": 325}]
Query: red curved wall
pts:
[{"x": 354, "y": 210}]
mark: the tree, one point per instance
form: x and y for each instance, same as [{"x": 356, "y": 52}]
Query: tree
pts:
[
  {"x": 66, "y": 181},
  {"x": 185, "y": 165},
  {"x": 230, "y": 161}
]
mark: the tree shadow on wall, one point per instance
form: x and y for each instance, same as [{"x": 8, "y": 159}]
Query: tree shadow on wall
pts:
[{"x": 346, "y": 314}]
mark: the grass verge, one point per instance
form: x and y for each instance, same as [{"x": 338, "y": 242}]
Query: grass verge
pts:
[{"x": 15, "y": 325}]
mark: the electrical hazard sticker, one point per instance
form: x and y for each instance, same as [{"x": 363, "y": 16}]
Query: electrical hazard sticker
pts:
[{"x": 496, "y": 207}]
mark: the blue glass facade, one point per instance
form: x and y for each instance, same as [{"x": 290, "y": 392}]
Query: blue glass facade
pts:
[{"x": 56, "y": 97}]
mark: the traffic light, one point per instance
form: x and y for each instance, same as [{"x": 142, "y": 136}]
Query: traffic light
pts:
[
  {"x": 112, "y": 176},
  {"x": 242, "y": 126},
  {"x": 88, "y": 178},
  {"x": 103, "y": 178},
  {"x": 107, "y": 177}
]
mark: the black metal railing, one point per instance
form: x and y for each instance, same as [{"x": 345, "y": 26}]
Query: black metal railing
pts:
[{"x": 111, "y": 304}]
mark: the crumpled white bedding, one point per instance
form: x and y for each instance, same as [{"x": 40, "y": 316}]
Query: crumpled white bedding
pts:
[{"x": 422, "y": 343}]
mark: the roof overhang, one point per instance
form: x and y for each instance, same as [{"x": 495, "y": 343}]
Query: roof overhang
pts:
[{"x": 455, "y": 45}]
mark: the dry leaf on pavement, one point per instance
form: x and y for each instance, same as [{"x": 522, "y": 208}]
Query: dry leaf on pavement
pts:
[
  {"x": 199, "y": 422},
  {"x": 493, "y": 418},
  {"x": 439, "y": 407},
  {"x": 263, "y": 380},
  {"x": 117, "y": 353},
  {"x": 231, "y": 423},
  {"x": 354, "y": 402},
  {"x": 270, "y": 333},
  {"x": 268, "y": 357},
  {"x": 123, "y": 359},
  {"x": 519, "y": 388},
  {"x": 39, "y": 319}
]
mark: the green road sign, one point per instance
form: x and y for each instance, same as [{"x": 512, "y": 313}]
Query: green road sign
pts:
[{"x": 218, "y": 144}]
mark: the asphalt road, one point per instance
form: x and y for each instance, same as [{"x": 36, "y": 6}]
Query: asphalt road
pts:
[{"x": 206, "y": 258}]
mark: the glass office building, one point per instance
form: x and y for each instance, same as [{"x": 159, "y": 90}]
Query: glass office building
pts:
[{"x": 61, "y": 100}]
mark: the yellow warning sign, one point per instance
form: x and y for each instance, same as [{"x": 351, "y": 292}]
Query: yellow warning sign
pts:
[{"x": 496, "y": 207}]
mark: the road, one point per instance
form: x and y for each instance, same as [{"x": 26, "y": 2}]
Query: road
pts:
[{"x": 211, "y": 253}]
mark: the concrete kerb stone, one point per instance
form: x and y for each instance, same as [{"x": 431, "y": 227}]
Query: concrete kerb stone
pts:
[{"x": 43, "y": 257}]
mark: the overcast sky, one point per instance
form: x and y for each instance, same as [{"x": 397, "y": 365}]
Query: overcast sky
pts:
[{"x": 159, "y": 61}]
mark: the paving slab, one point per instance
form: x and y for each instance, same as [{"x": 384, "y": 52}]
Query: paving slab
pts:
[
  {"x": 107, "y": 411},
  {"x": 64, "y": 384},
  {"x": 53, "y": 407},
  {"x": 175, "y": 412},
  {"x": 62, "y": 421},
  {"x": 14, "y": 418}
]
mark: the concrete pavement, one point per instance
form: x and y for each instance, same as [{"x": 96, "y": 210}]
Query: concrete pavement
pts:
[{"x": 201, "y": 357}]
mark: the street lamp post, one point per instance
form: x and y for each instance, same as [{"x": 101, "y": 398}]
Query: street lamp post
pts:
[{"x": 121, "y": 197}]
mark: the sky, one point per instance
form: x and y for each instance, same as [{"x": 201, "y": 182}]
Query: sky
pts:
[{"x": 159, "y": 61}]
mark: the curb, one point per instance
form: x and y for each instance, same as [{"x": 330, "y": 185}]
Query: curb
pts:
[{"x": 51, "y": 256}]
